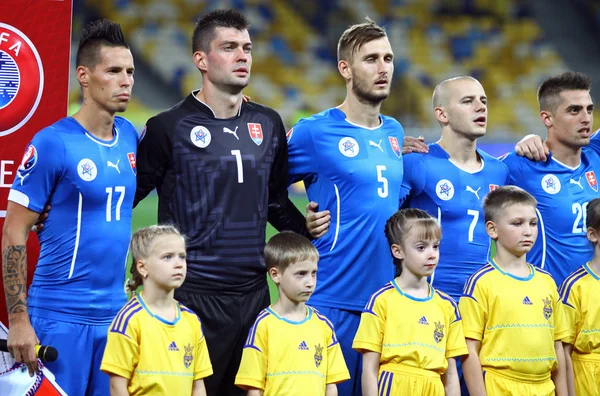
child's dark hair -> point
(141, 248)
(288, 248)
(593, 214)
(500, 198)
(95, 35)
(405, 221)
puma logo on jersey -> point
(234, 132)
(578, 182)
(22, 177)
(476, 192)
(116, 166)
(378, 145)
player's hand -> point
(21, 344)
(39, 224)
(246, 98)
(414, 145)
(317, 222)
(532, 147)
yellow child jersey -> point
(580, 295)
(158, 357)
(517, 320)
(419, 333)
(285, 358)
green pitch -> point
(145, 215)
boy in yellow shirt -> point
(512, 315)
(292, 349)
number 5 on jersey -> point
(383, 190)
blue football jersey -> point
(355, 173)
(563, 194)
(432, 182)
(90, 184)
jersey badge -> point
(551, 184)
(188, 357)
(200, 136)
(132, 163)
(255, 131)
(444, 190)
(349, 147)
(438, 333)
(21, 79)
(288, 136)
(592, 181)
(87, 170)
(494, 187)
(547, 308)
(318, 355)
(27, 163)
(395, 146)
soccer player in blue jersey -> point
(451, 181)
(84, 167)
(350, 159)
(565, 183)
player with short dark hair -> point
(567, 181)
(219, 165)
(84, 167)
(350, 159)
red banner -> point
(35, 44)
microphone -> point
(43, 352)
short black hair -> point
(549, 91)
(204, 30)
(94, 35)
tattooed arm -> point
(21, 336)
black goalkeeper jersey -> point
(218, 180)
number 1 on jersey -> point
(238, 159)
(383, 190)
(109, 191)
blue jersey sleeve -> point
(302, 153)
(41, 167)
(413, 181)
(514, 164)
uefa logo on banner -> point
(21, 79)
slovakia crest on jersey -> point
(592, 181)
(494, 187)
(21, 79)
(395, 146)
(131, 158)
(256, 133)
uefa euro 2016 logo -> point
(21, 79)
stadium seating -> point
(294, 69)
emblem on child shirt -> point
(318, 355)
(438, 333)
(188, 357)
(547, 308)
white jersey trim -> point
(543, 263)
(337, 225)
(103, 142)
(364, 127)
(567, 166)
(466, 170)
(18, 197)
(77, 235)
(439, 219)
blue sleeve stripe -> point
(569, 282)
(454, 304)
(324, 319)
(119, 318)
(470, 285)
(122, 329)
(371, 303)
(253, 329)
(542, 271)
(565, 285)
(185, 309)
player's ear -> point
(344, 69)
(546, 117)
(82, 74)
(397, 252)
(141, 267)
(491, 229)
(593, 235)
(200, 60)
(440, 115)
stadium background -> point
(509, 45)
